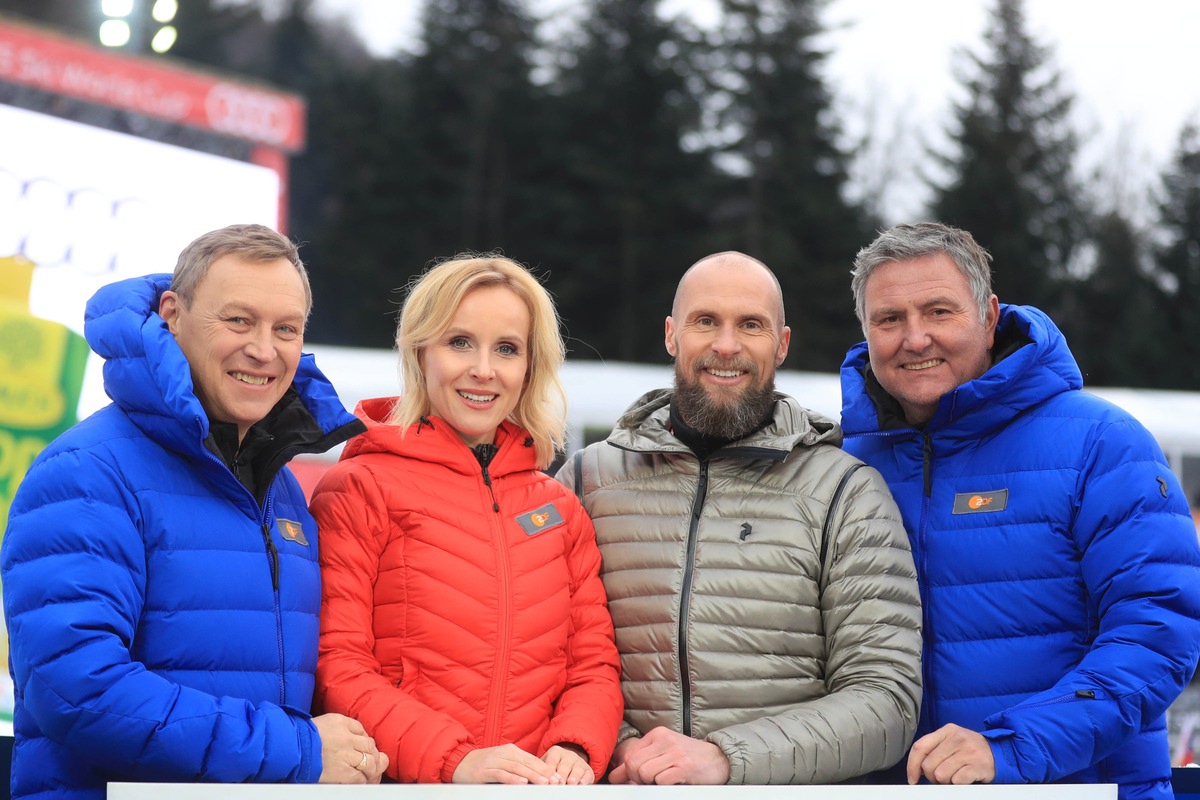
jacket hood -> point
(148, 377)
(1038, 365)
(645, 427)
(434, 440)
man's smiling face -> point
(242, 336)
(727, 335)
(924, 331)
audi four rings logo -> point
(246, 113)
(53, 224)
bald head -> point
(735, 268)
(727, 337)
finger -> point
(671, 776)
(558, 759)
(581, 774)
(375, 767)
(958, 768)
(967, 774)
(520, 763)
(636, 760)
(619, 775)
(648, 773)
(920, 751)
(566, 766)
(364, 744)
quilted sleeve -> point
(74, 574)
(588, 712)
(423, 745)
(870, 608)
(1140, 564)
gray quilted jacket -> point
(764, 600)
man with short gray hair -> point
(161, 584)
(1058, 562)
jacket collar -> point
(1032, 364)
(434, 440)
(148, 377)
(645, 427)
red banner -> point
(155, 88)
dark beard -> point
(731, 420)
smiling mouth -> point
(919, 365)
(724, 373)
(477, 398)
(254, 380)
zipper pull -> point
(487, 481)
(272, 557)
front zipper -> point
(923, 580)
(500, 666)
(272, 563)
(685, 596)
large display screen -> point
(89, 206)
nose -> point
(481, 367)
(727, 344)
(261, 346)
(916, 337)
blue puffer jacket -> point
(1057, 558)
(162, 625)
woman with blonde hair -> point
(463, 620)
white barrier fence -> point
(175, 791)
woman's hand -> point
(570, 761)
(506, 763)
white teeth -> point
(478, 398)
(725, 373)
(933, 362)
(254, 379)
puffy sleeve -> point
(1140, 565)
(74, 573)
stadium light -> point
(164, 11)
(114, 33)
(116, 8)
(163, 39)
(138, 23)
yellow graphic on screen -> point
(41, 375)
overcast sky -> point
(1134, 66)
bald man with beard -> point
(760, 579)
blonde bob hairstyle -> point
(428, 311)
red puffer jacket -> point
(461, 607)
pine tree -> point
(1011, 173)
(1179, 259)
(788, 208)
(478, 114)
(1112, 319)
(628, 212)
